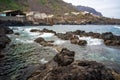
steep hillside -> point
(49, 6)
(88, 9)
(13, 4)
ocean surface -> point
(25, 52)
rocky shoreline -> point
(4, 39)
(63, 66)
(109, 38)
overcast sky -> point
(109, 8)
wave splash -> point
(92, 41)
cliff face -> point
(88, 9)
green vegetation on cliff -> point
(13, 4)
(49, 6)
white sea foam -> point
(24, 41)
(43, 61)
(92, 41)
(118, 27)
(58, 42)
(46, 35)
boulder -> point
(39, 40)
(82, 42)
(63, 67)
(5, 30)
(42, 42)
(5, 39)
(65, 57)
(66, 36)
(48, 31)
(79, 42)
(17, 33)
(107, 36)
(79, 32)
(44, 30)
(34, 30)
(112, 42)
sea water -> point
(27, 52)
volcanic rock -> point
(63, 67)
(42, 42)
(5, 30)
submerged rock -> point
(63, 67)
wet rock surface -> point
(44, 30)
(4, 40)
(43, 42)
(109, 38)
(5, 30)
(63, 67)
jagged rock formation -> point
(63, 67)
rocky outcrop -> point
(76, 40)
(44, 30)
(4, 40)
(17, 33)
(109, 38)
(43, 42)
(5, 30)
(63, 67)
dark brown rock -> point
(68, 69)
(34, 30)
(42, 42)
(65, 57)
(82, 42)
(66, 36)
(107, 36)
(4, 40)
(5, 30)
(17, 33)
(39, 40)
(112, 42)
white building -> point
(75, 13)
(38, 15)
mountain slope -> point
(88, 9)
(13, 4)
(49, 6)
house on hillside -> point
(38, 15)
(75, 13)
(17, 13)
(13, 15)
